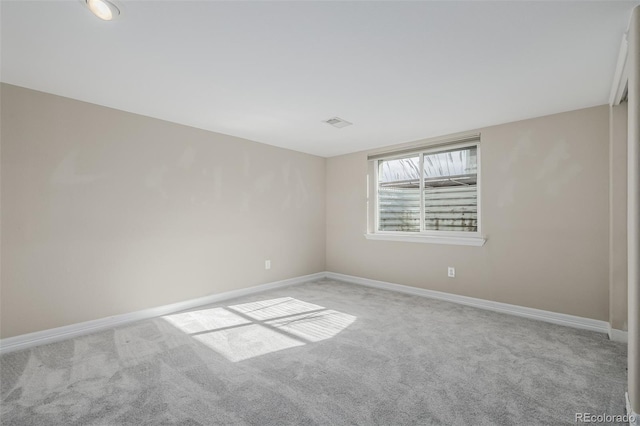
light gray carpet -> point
(324, 353)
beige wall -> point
(618, 217)
(544, 210)
(106, 212)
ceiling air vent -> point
(337, 122)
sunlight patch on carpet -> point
(248, 330)
(275, 308)
(205, 320)
(238, 344)
(315, 326)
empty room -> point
(319, 212)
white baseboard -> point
(616, 335)
(634, 418)
(29, 340)
(521, 311)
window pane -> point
(458, 162)
(450, 190)
(399, 195)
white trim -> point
(479, 190)
(429, 239)
(424, 144)
(616, 335)
(621, 75)
(29, 340)
(421, 193)
(521, 311)
(376, 199)
(634, 418)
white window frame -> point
(423, 236)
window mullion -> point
(376, 218)
(421, 174)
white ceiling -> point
(272, 71)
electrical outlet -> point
(451, 272)
(267, 264)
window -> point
(428, 192)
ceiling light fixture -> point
(103, 9)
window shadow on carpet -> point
(248, 330)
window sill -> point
(429, 239)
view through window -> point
(434, 190)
